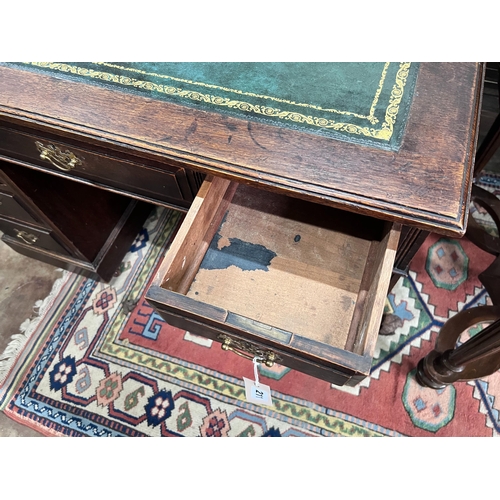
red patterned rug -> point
(101, 362)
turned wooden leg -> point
(478, 357)
(490, 277)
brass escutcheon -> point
(28, 238)
(248, 350)
(64, 161)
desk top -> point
(419, 174)
(365, 103)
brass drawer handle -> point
(64, 161)
(248, 350)
(28, 238)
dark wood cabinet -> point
(71, 225)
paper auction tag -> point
(255, 392)
(260, 394)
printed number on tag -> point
(259, 394)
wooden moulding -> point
(334, 297)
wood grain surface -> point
(426, 183)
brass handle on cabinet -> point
(64, 161)
(248, 350)
(28, 238)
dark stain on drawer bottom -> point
(247, 256)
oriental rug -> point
(101, 362)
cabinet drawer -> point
(9, 207)
(34, 237)
(132, 175)
(302, 284)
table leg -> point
(477, 357)
(480, 355)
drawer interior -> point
(311, 270)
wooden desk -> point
(131, 146)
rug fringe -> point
(19, 340)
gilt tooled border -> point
(384, 132)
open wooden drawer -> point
(292, 282)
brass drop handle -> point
(240, 347)
(28, 238)
(64, 161)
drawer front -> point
(233, 332)
(306, 282)
(168, 185)
(34, 237)
(9, 207)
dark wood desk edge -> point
(471, 153)
(452, 224)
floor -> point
(24, 281)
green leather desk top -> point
(414, 167)
(366, 103)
